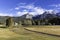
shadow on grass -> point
(3, 27)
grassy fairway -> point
(22, 34)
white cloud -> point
(55, 5)
(17, 8)
(30, 6)
(18, 13)
(39, 10)
(25, 6)
(49, 10)
(21, 13)
(25, 10)
(22, 3)
(35, 10)
(33, 13)
(5, 14)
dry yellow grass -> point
(47, 29)
(6, 33)
(22, 34)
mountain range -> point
(45, 15)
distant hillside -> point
(3, 19)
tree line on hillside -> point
(51, 21)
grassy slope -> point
(21, 34)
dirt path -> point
(42, 32)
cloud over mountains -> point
(24, 8)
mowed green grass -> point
(22, 34)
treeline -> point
(51, 21)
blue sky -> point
(21, 7)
